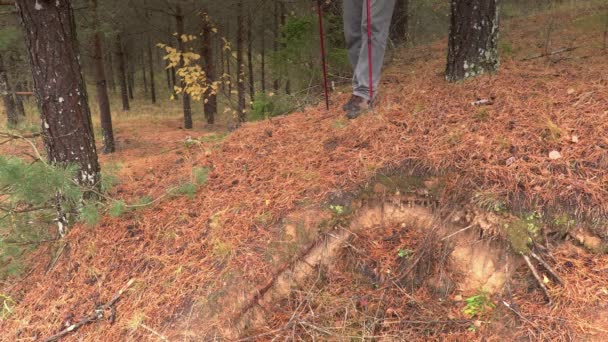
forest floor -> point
(213, 245)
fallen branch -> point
(547, 267)
(96, 315)
(556, 52)
(483, 102)
(157, 334)
(538, 278)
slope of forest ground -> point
(199, 261)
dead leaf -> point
(554, 155)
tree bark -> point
(401, 22)
(250, 58)
(283, 22)
(144, 73)
(173, 83)
(151, 71)
(19, 99)
(122, 77)
(228, 59)
(473, 39)
(67, 131)
(110, 73)
(210, 98)
(105, 114)
(240, 72)
(168, 75)
(275, 43)
(6, 92)
(222, 64)
(130, 76)
(263, 61)
(179, 20)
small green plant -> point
(552, 131)
(89, 214)
(190, 142)
(187, 189)
(522, 232)
(213, 137)
(339, 123)
(490, 202)
(109, 177)
(136, 320)
(268, 105)
(144, 201)
(532, 221)
(200, 174)
(117, 209)
(564, 222)
(28, 197)
(482, 115)
(337, 209)
(478, 305)
(405, 253)
(222, 249)
(6, 309)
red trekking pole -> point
(322, 41)
(370, 64)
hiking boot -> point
(358, 106)
(347, 106)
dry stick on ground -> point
(538, 278)
(556, 52)
(547, 267)
(96, 315)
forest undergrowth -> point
(194, 259)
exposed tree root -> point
(322, 254)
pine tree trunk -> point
(473, 39)
(228, 60)
(283, 22)
(173, 83)
(129, 70)
(110, 73)
(102, 90)
(19, 99)
(6, 92)
(179, 20)
(151, 70)
(400, 22)
(210, 98)
(250, 58)
(263, 62)
(275, 43)
(122, 76)
(144, 73)
(168, 75)
(67, 131)
(222, 64)
(240, 72)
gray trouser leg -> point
(355, 30)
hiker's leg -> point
(352, 32)
(381, 14)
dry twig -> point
(96, 315)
